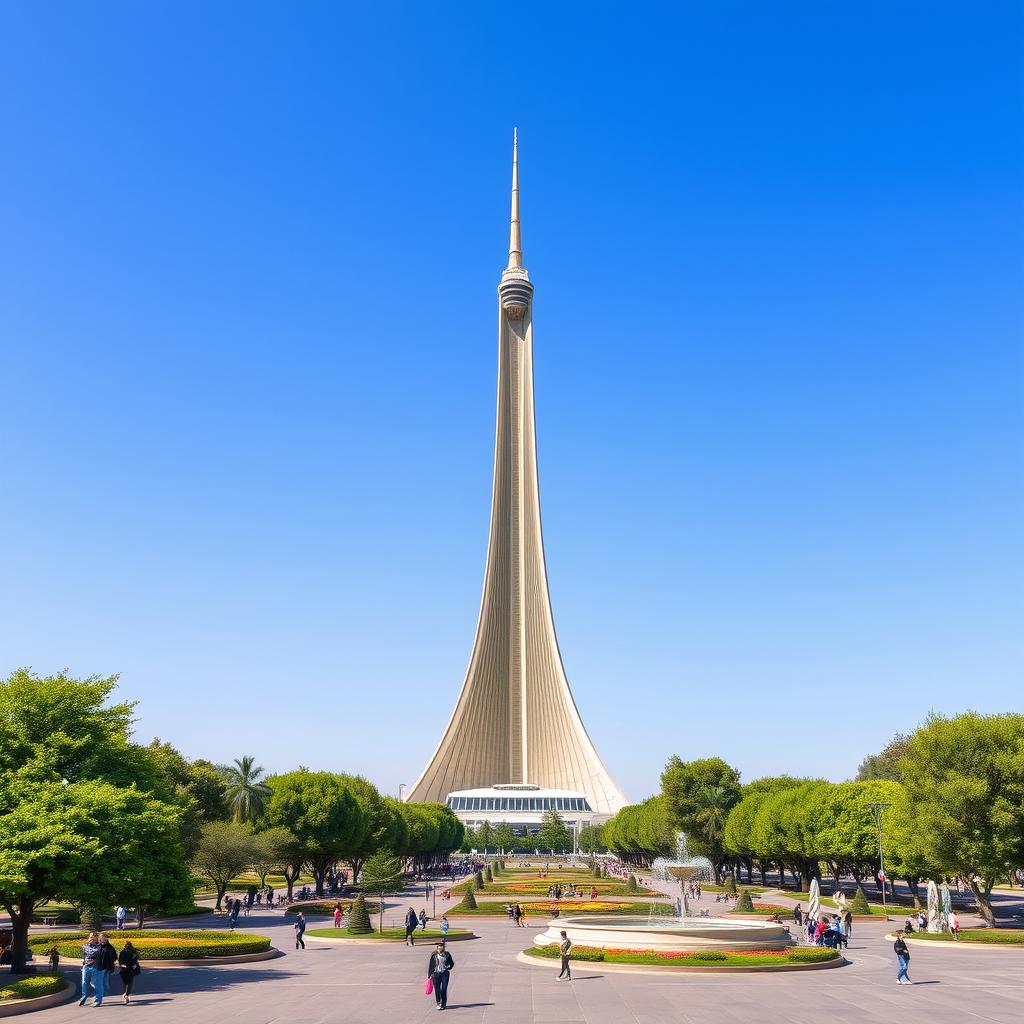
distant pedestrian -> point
(128, 959)
(444, 927)
(954, 925)
(92, 971)
(337, 915)
(119, 915)
(798, 916)
(565, 948)
(233, 910)
(423, 919)
(848, 924)
(439, 968)
(902, 959)
(517, 913)
(300, 930)
(411, 923)
(270, 897)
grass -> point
(985, 936)
(241, 883)
(827, 901)
(389, 933)
(543, 908)
(32, 988)
(504, 886)
(696, 958)
(767, 909)
(326, 907)
(754, 890)
(160, 944)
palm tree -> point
(715, 804)
(245, 794)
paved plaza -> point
(383, 984)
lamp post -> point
(878, 807)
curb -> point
(588, 965)
(16, 1007)
(1016, 947)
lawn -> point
(429, 934)
(985, 936)
(567, 908)
(241, 883)
(32, 987)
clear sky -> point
(248, 261)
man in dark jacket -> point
(438, 971)
(411, 924)
(106, 964)
(300, 930)
(903, 959)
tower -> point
(515, 720)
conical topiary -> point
(488, 874)
(358, 917)
(631, 885)
(744, 905)
(859, 903)
(730, 883)
(478, 878)
(469, 900)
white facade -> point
(522, 807)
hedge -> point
(161, 944)
(431, 934)
(326, 907)
(696, 958)
(33, 987)
(543, 908)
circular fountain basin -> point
(676, 934)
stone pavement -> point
(363, 984)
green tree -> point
(859, 904)
(246, 795)
(590, 840)
(198, 788)
(322, 813)
(226, 848)
(385, 826)
(469, 900)
(886, 763)
(700, 795)
(963, 797)
(504, 837)
(639, 833)
(272, 850)
(631, 886)
(485, 836)
(744, 904)
(554, 835)
(85, 815)
(359, 918)
(382, 874)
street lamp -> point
(878, 807)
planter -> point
(613, 968)
(15, 1007)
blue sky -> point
(248, 260)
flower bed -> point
(767, 909)
(160, 944)
(986, 936)
(694, 958)
(33, 987)
(567, 907)
(431, 934)
(540, 887)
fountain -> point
(681, 933)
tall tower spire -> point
(515, 720)
(515, 241)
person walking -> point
(106, 963)
(517, 913)
(848, 924)
(128, 959)
(236, 906)
(300, 930)
(903, 959)
(119, 915)
(423, 919)
(270, 897)
(92, 973)
(337, 915)
(954, 925)
(444, 927)
(411, 924)
(565, 948)
(439, 968)
(798, 916)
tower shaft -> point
(515, 719)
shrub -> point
(744, 904)
(478, 880)
(708, 956)
(358, 918)
(469, 900)
(488, 876)
(32, 987)
(859, 904)
(730, 884)
(811, 956)
(631, 885)
(91, 919)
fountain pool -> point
(676, 934)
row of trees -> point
(90, 818)
(951, 797)
(554, 835)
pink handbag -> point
(428, 989)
